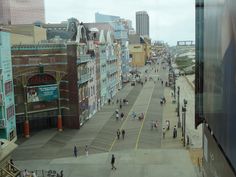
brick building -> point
(46, 86)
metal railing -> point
(112, 70)
(84, 78)
(83, 59)
(9, 170)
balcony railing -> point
(112, 58)
(83, 59)
(84, 78)
(112, 83)
(111, 70)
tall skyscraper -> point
(142, 23)
(21, 12)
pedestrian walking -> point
(167, 124)
(123, 134)
(113, 159)
(134, 115)
(25, 173)
(156, 124)
(122, 116)
(117, 101)
(164, 100)
(152, 124)
(163, 133)
(117, 116)
(34, 174)
(118, 134)
(109, 101)
(86, 150)
(61, 173)
(75, 151)
(174, 132)
(120, 106)
(124, 100)
(161, 102)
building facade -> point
(142, 23)
(27, 34)
(21, 12)
(112, 70)
(219, 89)
(140, 50)
(103, 68)
(105, 18)
(45, 86)
(7, 103)
(92, 84)
(121, 36)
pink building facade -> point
(21, 12)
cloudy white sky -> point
(170, 20)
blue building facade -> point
(7, 103)
(103, 69)
(121, 35)
(105, 18)
(112, 67)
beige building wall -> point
(138, 55)
(27, 34)
(21, 39)
(40, 34)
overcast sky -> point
(170, 20)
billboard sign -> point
(42, 93)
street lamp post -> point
(174, 84)
(26, 121)
(59, 117)
(184, 120)
(179, 123)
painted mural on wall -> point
(42, 93)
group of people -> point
(122, 102)
(122, 133)
(163, 100)
(154, 124)
(119, 115)
(140, 116)
(76, 150)
(26, 173)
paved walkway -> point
(187, 92)
(143, 152)
(134, 163)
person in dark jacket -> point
(113, 159)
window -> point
(10, 111)
(8, 87)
